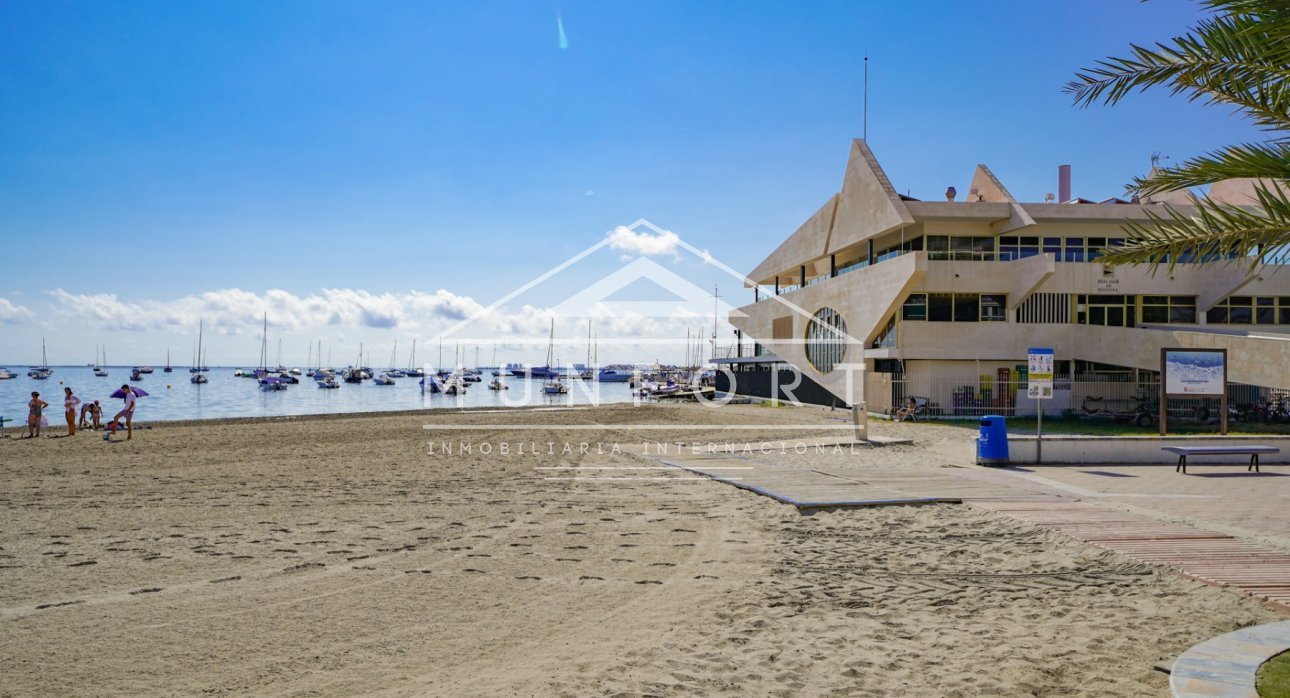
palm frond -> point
(1234, 58)
(1210, 230)
(1257, 160)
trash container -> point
(992, 443)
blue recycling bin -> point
(992, 442)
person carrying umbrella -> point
(130, 395)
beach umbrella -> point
(138, 392)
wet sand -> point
(339, 555)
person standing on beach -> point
(127, 412)
(35, 408)
(70, 402)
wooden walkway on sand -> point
(1214, 558)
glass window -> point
(994, 308)
(1237, 315)
(915, 307)
(1179, 313)
(1155, 313)
(940, 307)
(826, 339)
(1217, 315)
(967, 307)
(1265, 312)
(1074, 250)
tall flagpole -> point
(865, 131)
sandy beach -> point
(352, 555)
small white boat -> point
(328, 383)
(383, 379)
(198, 379)
(294, 371)
(145, 369)
(6, 374)
(497, 384)
(43, 371)
(136, 374)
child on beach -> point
(70, 402)
(35, 410)
(91, 411)
(127, 412)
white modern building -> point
(880, 297)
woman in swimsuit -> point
(70, 402)
(35, 407)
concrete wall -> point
(1068, 449)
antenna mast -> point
(865, 131)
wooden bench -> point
(1251, 451)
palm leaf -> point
(1210, 230)
(1259, 161)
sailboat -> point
(43, 371)
(355, 374)
(497, 383)
(414, 371)
(267, 382)
(167, 369)
(197, 377)
(587, 373)
(393, 372)
(554, 384)
(98, 367)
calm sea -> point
(171, 396)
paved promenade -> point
(1217, 524)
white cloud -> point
(10, 313)
(628, 240)
(229, 311)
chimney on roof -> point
(1063, 183)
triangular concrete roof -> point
(1241, 191)
(868, 205)
(807, 242)
(987, 187)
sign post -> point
(1194, 373)
(1039, 387)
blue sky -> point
(398, 147)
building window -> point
(826, 339)
(1011, 248)
(915, 307)
(967, 307)
(960, 247)
(1106, 310)
(1169, 309)
(1250, 310)
(994, 308)
(940, 307)
(956, 307)
(887, 338)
